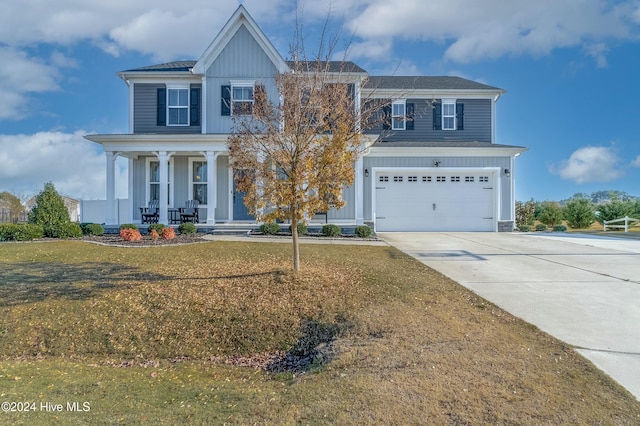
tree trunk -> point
(294, 235)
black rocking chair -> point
(150, 214)
(190, 212)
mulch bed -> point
(146, 241)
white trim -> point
(203, 105)
(495, 173)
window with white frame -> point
(398, 114)
(153, 179)
(448, 115)
(178, 106)
(242, 99)
(198, 181)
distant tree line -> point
(580, 211)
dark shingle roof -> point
(185, 66)
(444, 144)
(333, 66)
(426, 83)
(174, 66)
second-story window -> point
(448, 115)
(178, 107)
(398, 114)
(241, 100)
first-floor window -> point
(199, 181)
(154, 182)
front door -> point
(240, 211)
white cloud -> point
(471, 29)
(75, 166)
(590, 164)
(636, 162)
(493, 28)
(20, 76)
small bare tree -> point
(293, 155)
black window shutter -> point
(225, 100)
(194, 107)
(162, 107)
(410, 114)
(460, 116)
(386, 112)
(437, 116)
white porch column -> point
(359, 187)
(163, 158)
(110, 213)
(212, 186)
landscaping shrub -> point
(302, 228)
(187, 228)
(157, 226)
(49, 210)
(154, 234)
(92, 229)
(550, 213)
(129, 234)
(541, 227)
(524, 228)
(559, 228)
(525, 213)
(363, 231)
(20, 232)
(269, 228)
(128, 226)
(63, 230)
(168, 233)
(331, 230)
(579, 213)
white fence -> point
(626, 221)
(93, 211)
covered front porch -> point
(174, 169)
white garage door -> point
(435, 201)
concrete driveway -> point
(581, 289)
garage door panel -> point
(454, 201)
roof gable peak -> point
(240, 17)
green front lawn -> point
(225, 332)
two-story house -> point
(433, 165)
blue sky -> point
(570, 69)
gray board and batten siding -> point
(241, 59)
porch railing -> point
(626, 220)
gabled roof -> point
(175, 66)
(239, 18)
(426, 83)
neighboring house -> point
(434, 165)
(72, 205)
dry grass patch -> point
(406, 345)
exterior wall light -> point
(366, 172)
